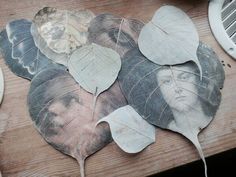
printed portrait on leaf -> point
(115, 32)
(173, 97)
(62, 112)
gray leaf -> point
(94, 67)
(131, 133)
(169, 38)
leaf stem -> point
(121, 23)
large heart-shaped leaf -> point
(129, 130)
(94, 67)
(1, 85)
(169, 38)
(62, 113)
(115, 32)
(19, 51)
(58, 33)
(174, 97)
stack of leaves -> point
(175, 81)
(168, 77)
(61, 103)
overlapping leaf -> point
(19, 51)
(129, 130)
(1, 85)
(170, 38)
(174, 97)
(57, 33)
(94, 67)
(115, 32)
(62, 114)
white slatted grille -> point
(222, 18)
(228, 15)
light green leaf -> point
(170, 38)
(129, 130)
(94, 67)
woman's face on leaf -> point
(178, 87)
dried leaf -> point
(170, 38)
(61, 112)
(94, 67)
(115, 32)
(1, 86)
(19, 51)
(129, 130)
(57, 33)
(174, 97)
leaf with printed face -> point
(115, 32)
(174, 97)
(1, 86)
(19, 51)
(62, 113)
(94, 67)
(57, 33)
(170, 38)
(129, 130)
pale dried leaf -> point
(130, 132)
(59, 32)
(1, 85)
(174, 97)
(61, 112)
(94, 67)
(61, 58)
(169, 38)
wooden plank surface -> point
(23, 152)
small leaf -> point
(170, 38)
(58, 33)
(94, 67)
(19, 51)
(174, 97)
(129, 130)
(61, 112)
(115, 32)
(1, 86)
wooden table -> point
(23, 152)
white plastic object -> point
(222, 18)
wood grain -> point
(23, 152)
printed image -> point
(115, 32)
(63, 113)
(173, 97)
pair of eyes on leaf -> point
(183, 77)
(123, 38)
